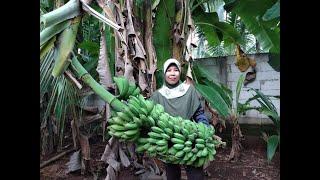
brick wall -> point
(267, 81)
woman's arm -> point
(199, 116)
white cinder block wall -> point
(267, 81)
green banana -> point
(122, 84)
(154, 135)
(123, 116)
(165, 136)
(136, 91)
(179, 136)
(131, 126)
(137, 121)
(131, 132)
(179, 154)
(150, 105)
(162, 142)
(178, 146)
(157, 129)
(168, 131)
(177, 141)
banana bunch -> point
(180, 141)
(170, 139)
(128, 124)
(125, 87)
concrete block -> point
(271, 92)
(233, 76)
(249, 120)
(230, 84)
(251, 113)
(270, 84)
(266, 121)
(234, 68)
(231, 59)
(268, 75)
(245, 95)
(260, 115)
(263, 66)
(255, 85)
(229, 68)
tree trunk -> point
(236, 136)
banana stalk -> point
(67, 11)
(66, 43)
(96, 87)
(51, 31)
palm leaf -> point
(45, 72)
(47, 47)
(214, 98)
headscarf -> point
(179, 100)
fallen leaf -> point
(124, 158)
(74, 163)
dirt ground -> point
(252, 165)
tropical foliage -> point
(267, 108)
(225, 102)
(133, 39)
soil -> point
(252, 164)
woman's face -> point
(172, 75)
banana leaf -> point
(214, 30)
(251, 13)
(164, 19)
(214, 98)
(110, 42)
(273, 142)
(238, 89)
(273, 12)
(204, 77)
(66, 43)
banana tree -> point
(262, 19)
(222, 99)
(140, 36)
(256, 21)
(267, 108)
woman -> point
(179, 99)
